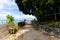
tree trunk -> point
(55, 15)
(46, 16)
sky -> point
(11, 8)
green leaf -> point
(51, 1)
(24, 1)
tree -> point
(37, 7)
(10, 19)
(34, 21)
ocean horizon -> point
(3, 21)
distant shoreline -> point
(3, 21)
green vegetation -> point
(41, 9)
(52, 24)
(37, 7)
(21, 24)
(13, 30)
(34, 21)
(10, 19)
(16, 26)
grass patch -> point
(52, 24)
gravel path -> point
(36, 35)
(29, 33)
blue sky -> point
(10, 7)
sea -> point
(4, 21)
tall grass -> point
(52, 24)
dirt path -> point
(29, 33)
(35, 35)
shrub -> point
(34, 21)
(57, 24)
(10, 19)
(16, 26)
(21, 24)
(13, 30)
(53, 24)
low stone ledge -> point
(49, 30)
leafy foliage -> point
(34, 21)
(52, 24)
(40, 9)
(16, 26)
(10, 19)
(37, 7)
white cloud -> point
(10, 5)
(4, 1)
(20, 17)
(1, 7)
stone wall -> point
(49, 30)
(4, 29)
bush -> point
(10, 19)
(52, 24)
(34, 21)
(16, 26)
(57, 24)
(13, 30)
(21, 24)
